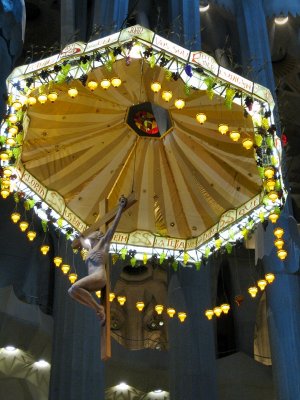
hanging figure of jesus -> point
(97, 245)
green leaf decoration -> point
(187, 89)
(266, 201)
(277, 210)
(60, 222)
(19, 138)
(112, 56)
(85, 66)
(27, 205)
(210, 82)
(265, 123)
(231, 235)
(44, 223)
(186, 258)
(68, 235)
(168, 75)
(152, 61)
(261, 216)
(145, 258)
(258, 139)
(207, 252)
(277, 185)
(261, 172)
(273, 160)
(16, 151)
(269, 141)
(250, 224)
(198, 265)
(162, 258)
(230, 93)
(245, 233)
(133, 261)
(109, 65)
(218, 243)
(123, 253)
(228, 247)
(65, 68)
(62, 75)
(20, 114)
(175, 265)
(2, 139)
(16, 197)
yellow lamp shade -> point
(270, 277)
(270, 184)
(159, 309)
(278, 232)
(5, 183)
(7, 172)
(279, 243)
(111, 296)
(116, 82)
(273, 217)
(155, 87)
(12, 118)
(171, 312)
(209, 314)
(10, 141)
(17, 105)
(223, 129)
(15, 217)
(73, 277)
(262, 283)
(72, 92)
(5, 193)
(4, 156)
(234, 135)
(253, 291)
(140, 305)
(13, 130)
(121, 300)
(247, 143)
(217, 311)
(273, 195)
(179, 103)
(57, 261)
(44, 249)
(65, 268)
(167, 95)
(31, 235)
(42, 98)
(98, 294)
(282, 254)
(23, 225)
(92, 85)
(31, 100)
(269, 172)
(181, 316)
(105, 83)
(225, 308)
(52, 96)
(201, 118)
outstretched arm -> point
(110, 232)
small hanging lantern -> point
(155, 87)
(273, 195)
(42, 98)
(179, 103)
(282, 254)
(217, 311)
(92, 85)
(5, 183)
(111, 296)
(73, 277)
(17, 105)
(57, 261)
(225, 308)
(269, 172)
(5, 192)
(65, 268)
(15, 216)
(7, 172)
(73, 92)
(13, 118)
(140, 305)
(167, 95)
(98, 294)
(201, 118)
(270, 277)
(273, 217)
(105, 83)
(253, 291)
(31, 235)
(52, 96)
(23, 225)
(278, 232)
(116, 82)
(262, 283)
(4, 156)
(279, 243)
(121, 300)
(159, 309)
(13, 130)
(31, 100)
(171, 312)
(223, 129)
(247, 143)
(10, 141)
(209, 314)
(44, 249)
(270, 184)
(182, 316)
(234, 135)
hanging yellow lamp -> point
(159, 308)
(234, 135)
(31, 100)
(111, 296)
(201, 118)
(167, 95)
(23, 225)
(270, 277)
(223, 129)
(273, 195)
(105, 83)
(57, 261)
(209, 314)
(65, 268)
(155, 87)
(269, 172)
(17, 105)
(179, 104)
(282, 254)
(73, 92)
(270, 184)
(10, 141)
(73, 277)
(217, 311)
(13, 130)
(181, 316)
(7, 172)
(13, 118)
(52, 97)
(92, 85)
(253, 291)
(5, 182)
(279, 243)
(15, 217)
(44, 249)
(4, 156)
(247, 143)
(273, 217)
(116, 82)
(42, 98)
(278, 232)
(98, 294)
(121, 300)
(262, 283)
(31, 235)
(225, 308)
(171, 312)
(140, 305)
(5, 192)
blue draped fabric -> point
(14, 6)
(271, 7)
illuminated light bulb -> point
(44, 249)
(121, 300)
(155, 87)
(279, 243)
(159, 309)
(273, 196)
(167, 95)
(223, 129)
(111, 296)
(116, 82)
(179, 103)
(209, 314)
(73, 92)
(5, 193)
(13, 130)
(234, 135)
(273, 217)
(204, 8)
(17, 105)
(7, 172)
(269, 172)
(92, 85)
(171, 312)
(15, 217)
(31, 235)
(270, 277)
(282, 254)
(12, 118)
(98, 294)
(225, 308)
(73, 277)
(270, 184)
(181, 316)
(10, 142)
(140, 305)
(105, 83)
(262, 283)
(201, 118)
(217, 311)
(253, 291)
(52, 96)
(57, 261)
(31, 100)
(65, 268)
(278, 232)
(23, 225)
(42, 98)
(247, 143)
(4, 156)
(281, 20)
